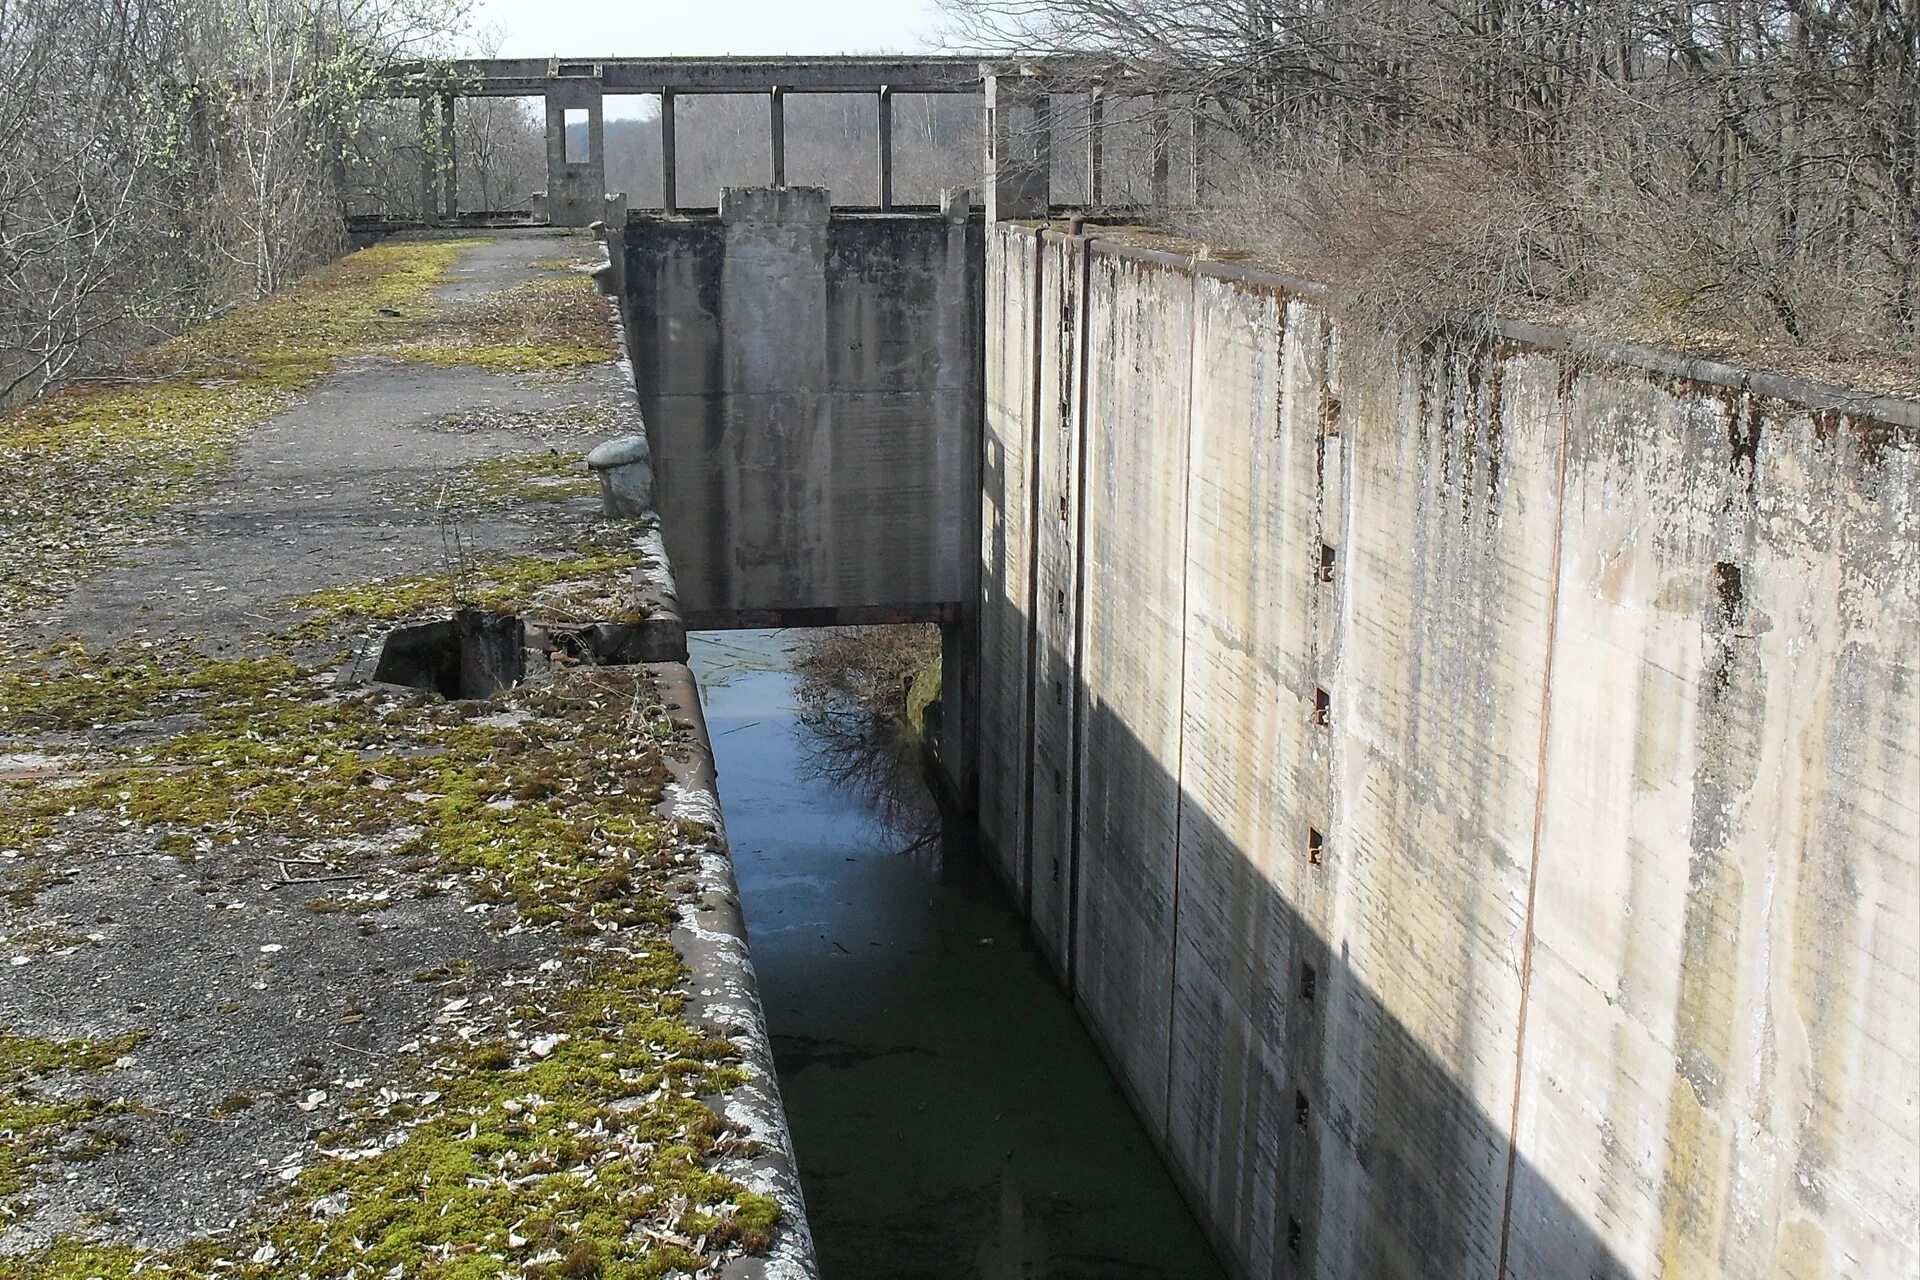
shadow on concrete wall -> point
(1352, 1152)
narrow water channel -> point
(950, 1115)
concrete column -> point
(884, 105)
(1097, 147)
(777, 134)
(576, 188)
(449, 160)
(669, 168)
(1019, 152)
(429, 161)
(1197, 148)
(1160, 128)
(958, 749)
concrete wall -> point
(810, 384)
(1473, 794)
(576, 186)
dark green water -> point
(950, 1115)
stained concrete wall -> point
(810, 383)
(576, 192)
(1473, 793)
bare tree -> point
(166, 157)
(1743, 165)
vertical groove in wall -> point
(1024, 854)
(1180, 699)
(1539, 819)
(1078, 483)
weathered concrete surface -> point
(290, 988)
(810, 388)
(1491, 834)
(576, 182)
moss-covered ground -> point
(544, 1121)
(566, 1138)
(91, 465)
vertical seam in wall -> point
(1180, 702)
(1030, 745)
(1076, 720)
(1539, 821)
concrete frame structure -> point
(1017, 100)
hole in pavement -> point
(473, 654)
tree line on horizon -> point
(1735, 171)
(1742, 175)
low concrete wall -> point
(1473, 793)
(810, 383)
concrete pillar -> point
(669, 167)
(576, 188)
(958, 750)
(429, 161)
(1160, 128)
(777, 135)
(1019, 153)
(884, 106)
(449, 160)
(1197, 149)
(1097, 147)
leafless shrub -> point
(1740, 169)
(164, 158)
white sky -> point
(666, 28)
(691, 28)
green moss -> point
(74, 688)
(575, 1144)
(539, 326)
(34, 1123)
(504, 584)
(514, 479)
(70, 1259)
(592, 1149)
(90, 465)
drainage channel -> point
(950, 1116)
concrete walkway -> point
(293, 965)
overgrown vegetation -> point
(563, 1137)
(34, 1120)
(169, 158)
(90, 464)
(1733, 175)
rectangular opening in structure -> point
(631, 135)
(720, 140)
(833, 141)
(1316, 846)
(575, 124)
(1307, 982)
(1322, 707)
(936, 145)
(500, 153)
(1071, 120)
(1300, 1111)
(386, 145)
(1326, 562)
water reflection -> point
(950, 1115)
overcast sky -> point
(662, 28)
